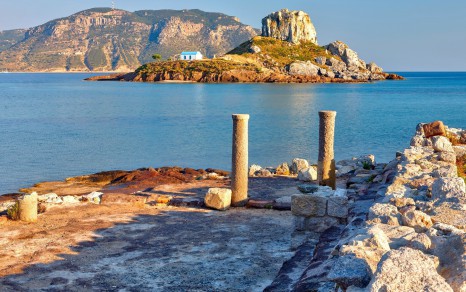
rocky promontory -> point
(287, 51)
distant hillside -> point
(102, 39)
(10, 37)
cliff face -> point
(115, 40)
(291, 26)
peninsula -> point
(287, 51)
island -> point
(286, 52)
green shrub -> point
(13, 212)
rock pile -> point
(412, 236)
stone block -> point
(218, 198)
(338, 207)
(434, 129)
(308, 205)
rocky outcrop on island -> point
(287, 51)
(290, 26)
(104, 39)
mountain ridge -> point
(105, 39)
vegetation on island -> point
(279, 52)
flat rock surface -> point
(149, 246)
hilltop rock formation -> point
(103, 39)
(290, 26)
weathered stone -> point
(308, 205)
(260, 204)
(336, 65)
(349, 270)
(407, 269)
(308, 174)
(442, 144)
(283, 169)
(303, 68)
(417, 141)
(417, 219)
(298, 164)
(283, 203)
(308, 188)
(337, 205)
(291, 26)
(447, 157)
(421, 242)
(253, 169)
(218, 198)
(374, 68)
(384, 213)
(449, 188)
(401, 202)
(447, 171)
(434, 129)
(320, 60)
(264, 173)
(254, 49)
(348, 56)
(70, 200)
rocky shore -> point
(286, 52)
(397, 226)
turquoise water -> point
(55, 125)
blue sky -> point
(399, 35)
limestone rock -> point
(320, 60)
(417, 219)
(303, 68)
(308, 205)
(314, 224)
(308, 174)
(449, 188)
(254, 49)
(218, 198)
(374, 68)
(308, 188)
(283, 169)
(298, 164)
(253, 169)
(349, 270)
(434, 129)
(421, 242)
(70, 200)
(336, 65)
(384, 213)
(442, 144)
(406, 270)
(27, 205)
(291, 26)
(348, 56)
(337, 205)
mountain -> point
(103, 39)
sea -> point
(54, 126)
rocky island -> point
(286, 51)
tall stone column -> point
(239, 170)
(326, 164)
(28, 208)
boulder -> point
(253, 169)
(373, 68)
(308, 174)
(417, 219)
(347, 55)
(303, 68)
(218, 198)
(298, 164)
(442, 144)
(291, 26)
(449, 188)
(320, 60)
(254, 49)
(436, 128)
(407, 269)
(384, 213)
(349, 270)
(421, 242)
(336, 65)
(283, 169)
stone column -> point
(28, 208)
(326, 163)
(239, 169)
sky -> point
(399, 35)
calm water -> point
(55, 125)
